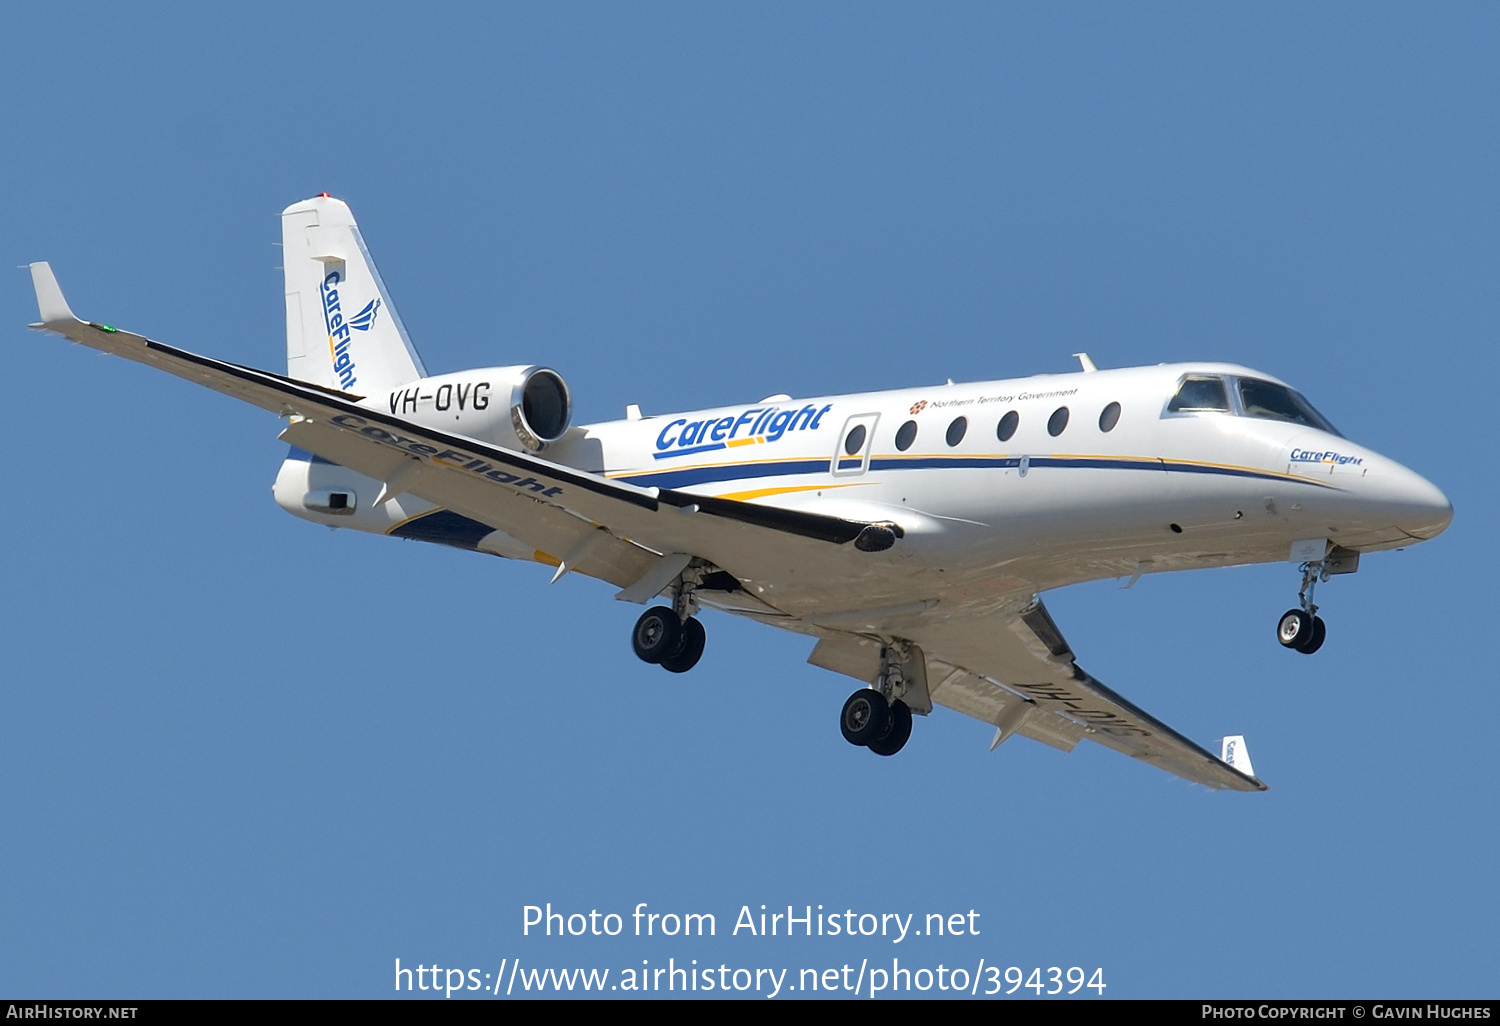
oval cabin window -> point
(1058, 421)
(1006, 429)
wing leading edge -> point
(506, 489)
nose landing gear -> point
(1303, 629)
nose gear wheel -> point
(1295, 628)
(1303, 629)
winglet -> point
(49, 298)
(1235, 755)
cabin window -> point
(1058, 421)
(906, 435)
(956, 430)
(1199, 393)
(1109, 417)
(1006, 429)
(1277, 402)
(855, 440)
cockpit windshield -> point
(1199, 393)
(1266, 400)
(1277, 402)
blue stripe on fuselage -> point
(943, 462)
(746, 471)
(725, 472)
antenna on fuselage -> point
(1086, 363)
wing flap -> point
(974, 695)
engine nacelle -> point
(515, 407)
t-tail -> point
(342, 331)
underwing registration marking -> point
(455, 458)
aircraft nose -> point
(1421, 509)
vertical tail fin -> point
(342, 330)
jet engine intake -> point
(516, 407)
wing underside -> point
(1009, 666)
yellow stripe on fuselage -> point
(761, 493)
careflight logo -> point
(338, 328)
(1324, 456)
(759, 423)
(366, 317)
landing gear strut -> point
(1303, 629)
(671, 637)
(876, 717)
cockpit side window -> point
(1198, 392)
(1277, 402)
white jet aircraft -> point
(909, 532)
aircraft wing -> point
(1011, 667)
(561, 510)
(1004, 663)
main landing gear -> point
(876, 718)
(1303, 629)
(670, 637)
(874, 723)
(660, 637)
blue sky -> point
(245, 756)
